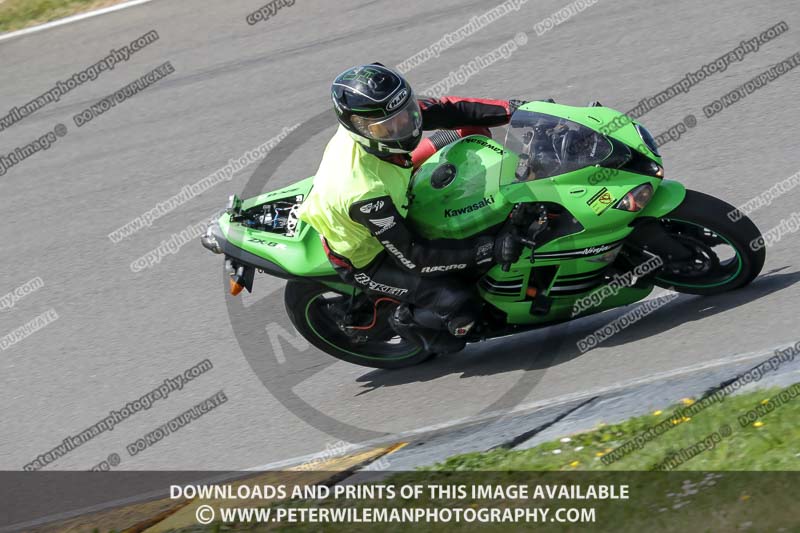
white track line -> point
(73, 18)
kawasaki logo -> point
(398, 254)
(468, 209)
(443, 268)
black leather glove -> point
(507, 246)
(504, 248)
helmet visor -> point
(402, 124)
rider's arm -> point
(412, 253)
(429, 145)
(452, 112)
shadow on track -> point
(514, 353)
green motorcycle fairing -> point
(474, 183)
(456, 192)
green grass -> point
(772, 445)
(717, 497)
(18, 14)
(659, 502)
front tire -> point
(701, 222)
(308, 306)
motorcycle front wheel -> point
(725, 253)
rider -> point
(358, 202)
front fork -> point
(650, 237)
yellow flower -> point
(574, 463)
(744, 497)
(599, 454)
(656, 413)
(758, 424)
(686, 418)
(687, 401)
(765, 402)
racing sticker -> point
(601, 201)
(372, 207)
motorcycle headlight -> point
(647, 139)
(636, 199)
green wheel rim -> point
(708, 285)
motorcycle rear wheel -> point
(308, 305)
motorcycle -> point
(583, 189)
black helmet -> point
(378, 107)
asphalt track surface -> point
(120, 334)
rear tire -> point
(701, 221)
(305, 305)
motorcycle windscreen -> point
(548, 146)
